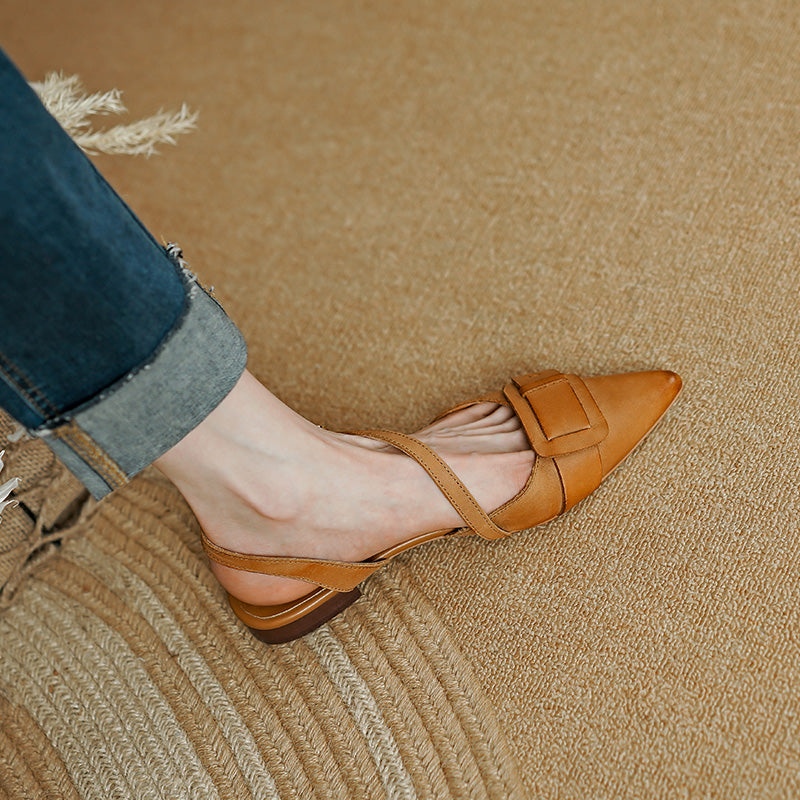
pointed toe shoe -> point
(580, 429)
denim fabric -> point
(109, 348)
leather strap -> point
(580, 473)
(342, 576)
(451, 487)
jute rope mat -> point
(48, 499)
(124, 675)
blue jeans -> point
(110, 350)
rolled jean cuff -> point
(123, 429)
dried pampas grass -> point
(66, 99)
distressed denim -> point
(110, 350)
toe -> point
(632, 404)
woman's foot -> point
(262, 479)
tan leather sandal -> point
(580, 430)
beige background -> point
(402, 204)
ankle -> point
(251, 453)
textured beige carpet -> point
(401, 205)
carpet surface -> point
(401, 205)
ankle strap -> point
(341, 576)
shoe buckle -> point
(558, 412)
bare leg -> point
(262, 479)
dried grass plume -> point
(66, 99)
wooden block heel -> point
(309, 622)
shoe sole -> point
(308, 623)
